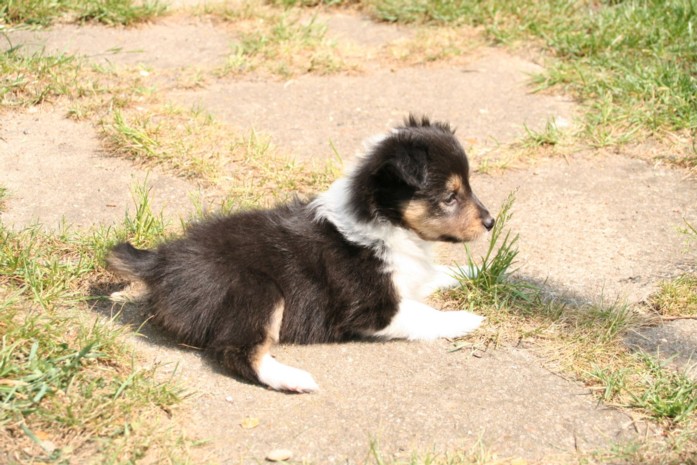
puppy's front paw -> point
(460, 323)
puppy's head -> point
(417, 177)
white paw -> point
(419, 322)
(460, 323)
(283, 377)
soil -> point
(590, 226)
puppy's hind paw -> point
(285, 378)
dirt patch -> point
(54, 169)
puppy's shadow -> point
(137, 316)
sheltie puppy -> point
(353, 262)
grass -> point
(631, 63)
(551, 135)
(31, 80)
(431, 44)
(91, 90)
(70, 389)
(110, 12)
(277, 43)
(677, 298)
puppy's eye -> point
(451, 199)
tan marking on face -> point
(454, 183)
(470, 222)
(465, 225)
(416, 216)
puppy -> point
(353, 262)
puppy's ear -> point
(408, 165)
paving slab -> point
(488, 101)
(174, 42)
(409, 397)
(54, 169)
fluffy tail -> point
(131, 263)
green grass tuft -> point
(664, 393)
(119, 12)
(40, 12)
(550, 136)
(3, 197)
(284, 45)
(492, 285)
(111, 12)
(677, 297)
(31, 80)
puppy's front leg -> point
(417, 321)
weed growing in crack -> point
(551, 135)
(490, 284)
(282, 45)
(145, 227)
(663, 392)
(27, 80)
(677, 297)
(119, 12)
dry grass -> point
(246, 167)
(431, 45)
(275, 42)
(677, 298)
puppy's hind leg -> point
(250, 357)
(283, 377)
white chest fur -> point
(409, 260)
(406, 256)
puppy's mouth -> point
(449, 238)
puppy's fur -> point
(353, 262)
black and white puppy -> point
(353, 262)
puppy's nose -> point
(488, 222)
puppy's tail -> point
(131, 263)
